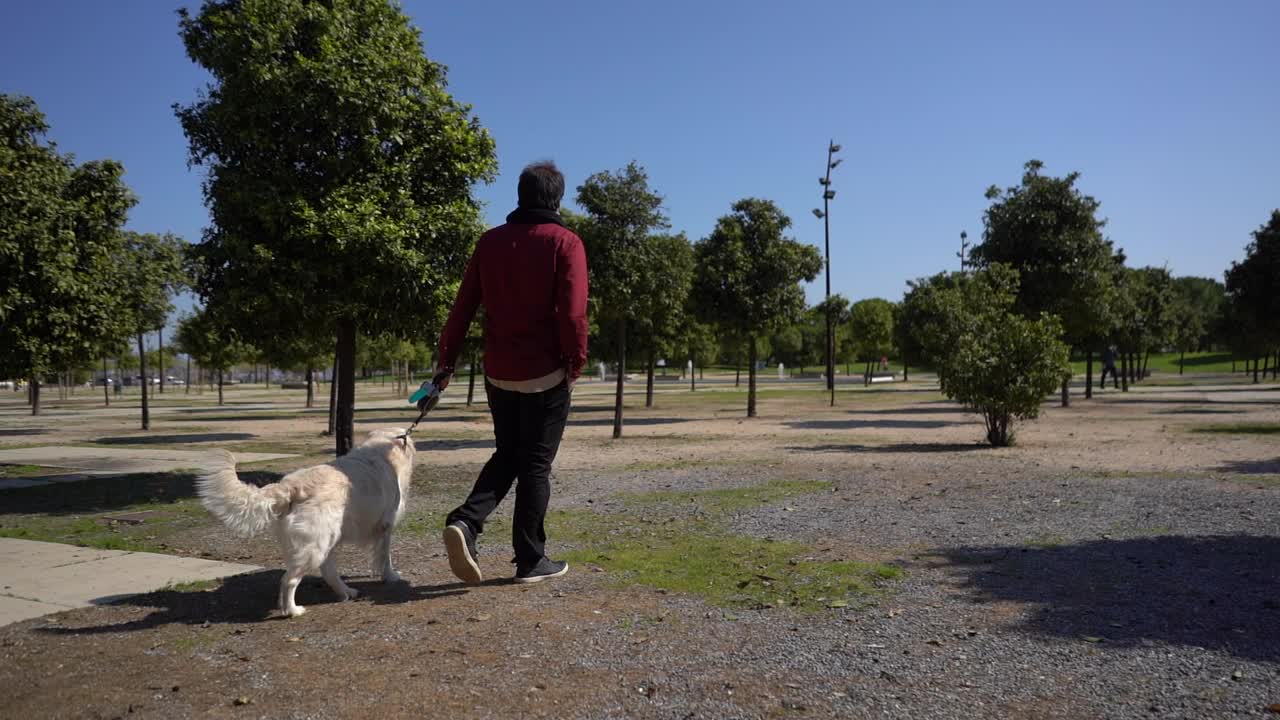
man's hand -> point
(441, 380)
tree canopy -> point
(339, 172)
(1049, 231)
(748, 275)
(621, 213)
(60, 245)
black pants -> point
(1115, 376)
(528, 428)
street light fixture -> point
(825, 215)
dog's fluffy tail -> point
(245, 509)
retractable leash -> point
(427, 390)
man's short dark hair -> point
(541, 186)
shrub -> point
(993, 361)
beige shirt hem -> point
(536, 385)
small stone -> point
(1237, 676)
(242, 700)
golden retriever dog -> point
(357, 498)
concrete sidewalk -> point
(38, 578)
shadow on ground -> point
(856, 424)
(433, 445)
(102, 494)
(252, 598)
(15, 432)
(1251, 467)
(1220, 592)
(894, 448)
(582, 422)
(174, 439)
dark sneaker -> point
(543, 570)
(460, 544)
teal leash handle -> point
(426, 390)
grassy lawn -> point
(675, 541)
(1240, 429)
(1207, 362)
(81, 513)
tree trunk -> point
(693, 387)
(905, 374)
(220, 378)
(1088, 374)
(1255, 370)
(1124, 372)
(344, 427)
(471, 381)
(751, 378)
(266, 377)
(142, 363)
(106, 395)
(1146, 359)
(33, 394)
(622, 370)
(160, 359)
(648, 383)
(1182, 355)
(311, 388)
(333, 386)
(737, 369)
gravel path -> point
(1134, 579)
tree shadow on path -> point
(1219, 592)
(894, 448)
(174, 439)
(101, 494)
(878, 423)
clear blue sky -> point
(1168, 109)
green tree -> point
(871, 326)
(988, 357)
(1203, 299)
(748, 276)
(1049, 231)
(621, 213)
(151, 272)
(339, 173)
(59, 241)
(662, 294)
(212, 342)
(701, 343)
(1253, 288)
(1157, 309)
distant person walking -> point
(531, 277)
(1109, 366)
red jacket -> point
(532, 281)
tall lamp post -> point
(825, 214)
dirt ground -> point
(1120, 561)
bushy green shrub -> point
(997, 363)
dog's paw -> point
(352, 594)
(295, 611)
(391, 577)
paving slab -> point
(109, 461)
(14, 610)
(37, 578)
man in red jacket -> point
(531, 276)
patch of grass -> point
(192, 642)
(700, 557)
(1240, 429)
(26, 471)
(80, 513)
(651, 465)
(193, 586)
(724, 500)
